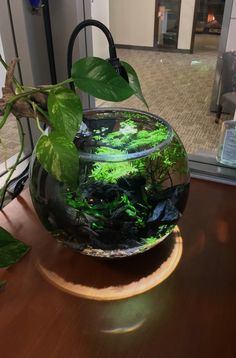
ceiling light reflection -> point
(122, 330)
(195, 62)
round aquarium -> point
(133, 185)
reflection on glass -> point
(167, 24)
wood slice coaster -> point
(100, 279)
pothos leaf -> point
(98, 78)
(65, 112)
(59, 157)
(134, 82)
(11, 250)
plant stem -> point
(37, 117)
(6, 114)
(44, 113)
(36, 108)
(169, 176)
(15, 98)
(33, 89)
(17, 84)
(44, 89)
(49, 87)
(4, 188)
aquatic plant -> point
(130, 138)
(111, 172)
(162, 164)
(162, 230)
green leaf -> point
(11, 250)
(98, 78)
(65, 112)
(59, 157)
(134, 82)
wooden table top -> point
(192, 313)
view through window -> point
(177, 85)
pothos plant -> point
(61, 110)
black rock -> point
(101, 191)
(165, 211)
(129, 230)
(132, 183)
(177, 194)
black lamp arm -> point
(112, 50)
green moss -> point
(111, 172)
(128, 123)
(132, 115)
(100, 211)
(130, 210)
(151, 240)
(149, 138)
(97, 226)
(130, 138)
(162, 230)
(95, 210)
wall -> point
(132, 22)
(231, 41)
(186, 24)
(29, 37)
(100, 12)
(65, 15)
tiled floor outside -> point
(178, 88)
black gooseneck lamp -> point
(113, 60)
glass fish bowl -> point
(132, 187)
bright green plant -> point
(111, 172)
(99, 211)
(133, 139)
(129, 138)
(157, 167)
(133, 212)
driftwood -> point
(21, 108)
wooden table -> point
(192, 313)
